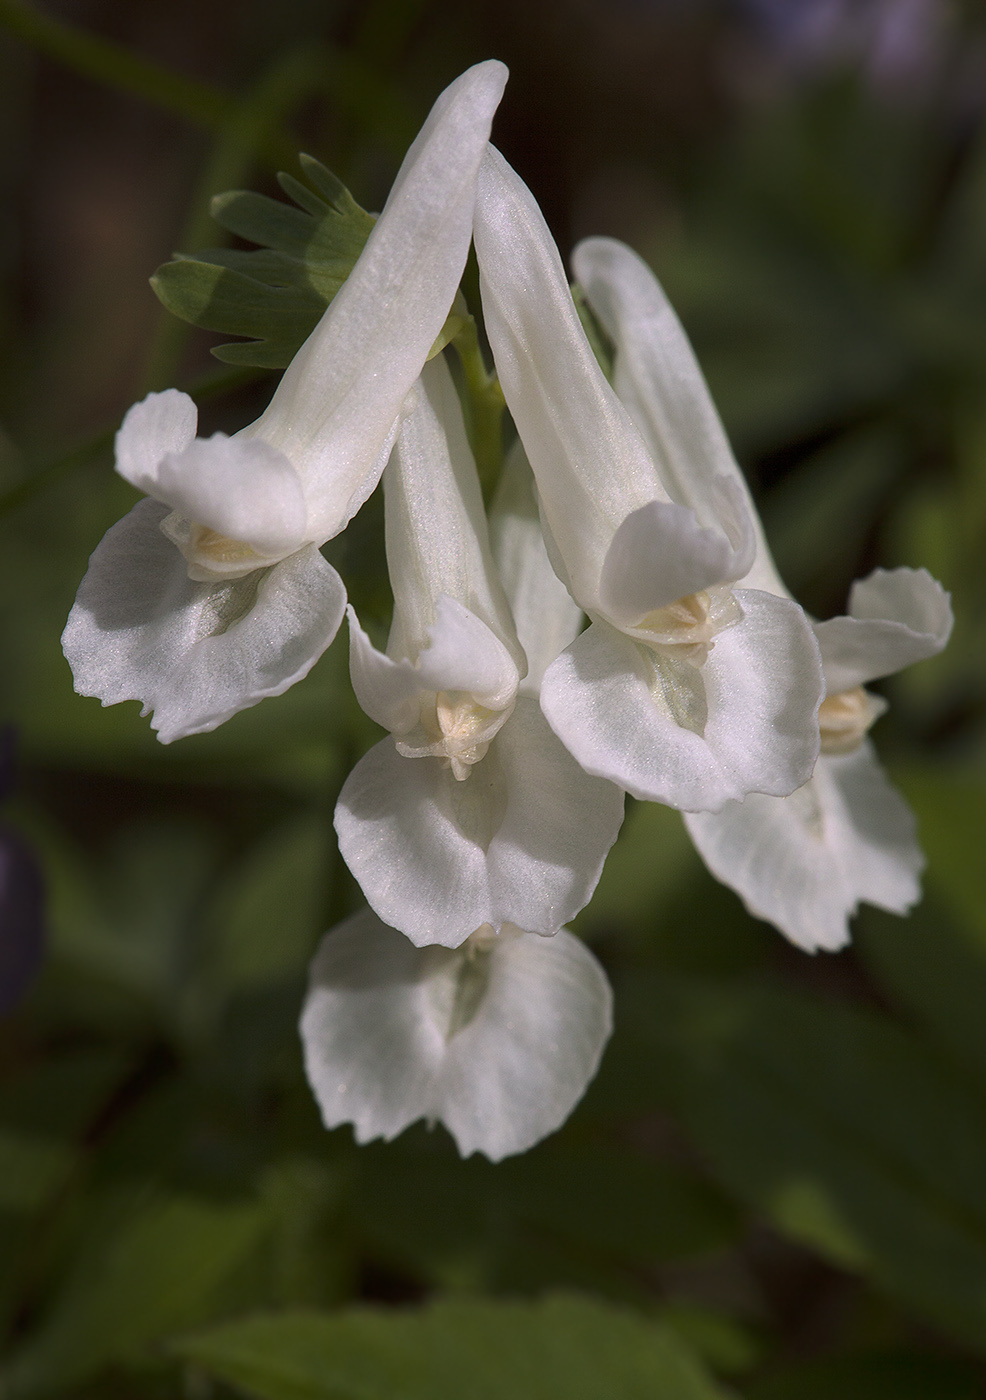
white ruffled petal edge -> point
(194, 653)
(762, 683)
(159, 424)
(897, 617)
(805, 862)
(498, 1040)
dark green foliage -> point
(275, 293)
(568, 1348)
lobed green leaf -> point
(562, 1348)
(276, 293)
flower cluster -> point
(479, 826)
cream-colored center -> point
(460, 729)
(844, 718)
(687, 627)
(211, 556)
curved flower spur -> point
(803, 861)
(472, 813)
(211, 594)
(684, 689)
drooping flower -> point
(497, 1039)
(803, 861)
(472, 812)
(212, 594)
(684, 689)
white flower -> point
(233, 602)
(497, 1039)
(683, 690)
(806, 861)
(473, 812)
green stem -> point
(114, 65)
(206, 387)
(485, 405)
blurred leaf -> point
(613, 1199)
(305, 1264)
(568, 1348)
(158, 1269)
(31, 1167)
(952, 816)
(649, 863)
(933, 972)
(844, 1131)
(606, 1205)
(133, 921)
(889, 1377)
(59, 1096)
(277, 292)
(820, 515)
(268, 914)
(722, 1342)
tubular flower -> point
(684, 689)
(806, 861)
(212, 594)
(472, 812)
(496, 1039)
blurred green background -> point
(777, 1187)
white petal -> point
(388, 691)
(159, 424)
(898, 617)
(499, 1045)
(416, 840)
(240, 487)
(523, 837)
(462, 654)
(591, 465)
(762, 686)
(437, 540)
(660, 382)
(194, 653)
(373, 1044)
(546, 615)
(659, 554)
(558, 825)
(340, 396)
(805, 861)
(515, 1072)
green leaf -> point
(844, 1130)
(276, 293)
(158, 1269)
(562, 1348)
(268, 914)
